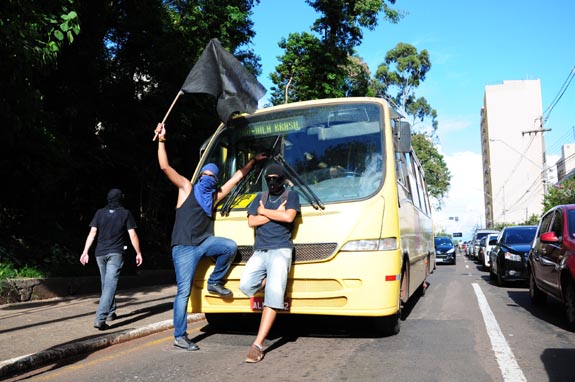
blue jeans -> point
(186, 259)
(110, 266)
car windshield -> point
(519, 235)
(442, 241)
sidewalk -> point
(35, 333)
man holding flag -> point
(193, 233)
(219, 74)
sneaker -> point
(112, 317)
(185, 343)
(101, 325)
(219, 289)
(255, 354)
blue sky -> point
(471, 45)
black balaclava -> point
(275, 185)
(114, 198)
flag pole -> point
(169, 110)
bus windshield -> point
(334, 150)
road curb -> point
(33, 361)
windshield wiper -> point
(238, 188)
(311, 196)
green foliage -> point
(85, 83)
(562, 193)
(319, 67)
(437, 174)
(311, 68)
(420, 109)
(402, 71)
(9, 271)
(532, 220)
(357, 78)
(303, 54)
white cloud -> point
(465, 196)
(451, 124)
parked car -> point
(508, 257)
(468, 249)
(444, 250)
(485, 250)
(552, 260)
(477, 236)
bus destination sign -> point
(274, 127)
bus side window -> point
(412, 178)
(402, 177)
(421, 186)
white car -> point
(485, 250)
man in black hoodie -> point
(110, 225)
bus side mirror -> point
(404, 137)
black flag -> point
(220, 74)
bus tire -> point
(388, 325)
(215, 320)
(231, 321)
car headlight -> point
(451, 251)
(512, 257)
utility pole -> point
(542, 131)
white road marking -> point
(510, 370)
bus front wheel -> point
(388, 325)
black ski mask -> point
(275, 178)
(114, 198)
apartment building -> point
(566, 165)
(512, 146)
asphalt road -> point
(465, 328)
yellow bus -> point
(364, 239)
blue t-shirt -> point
(274, 235)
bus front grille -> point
(302, 252)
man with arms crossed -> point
(271, 214)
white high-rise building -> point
(566, 165)
(512, 145)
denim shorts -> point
(273, 265)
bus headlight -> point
(386, 244)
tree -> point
(319, 67)
(357, 78)
(294, 78)
(339, 31)
(402, 71)
(81, 117)
(562, 193)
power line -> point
(559, 94)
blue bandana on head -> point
(205, 188)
